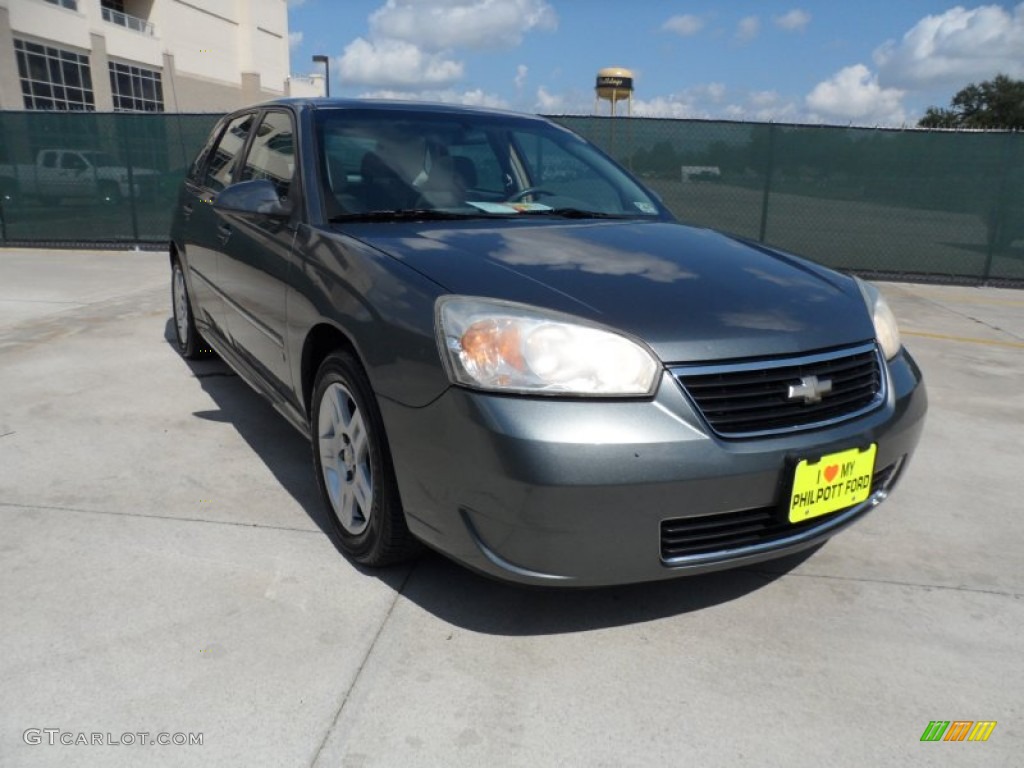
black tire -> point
(110, 193)
(9, 192)
(190, 344)
(1004, 233)
(358, 488)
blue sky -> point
(862, 63)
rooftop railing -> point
(126, 20)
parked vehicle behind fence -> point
(58, 174)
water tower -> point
(614, 84)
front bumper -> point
(574, 493)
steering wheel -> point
(518, 196)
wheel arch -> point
(322, 339)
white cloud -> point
(956, 47)
(714, 101)
(676, 105)
(555, 103)
(395, 64)
(763, 106)
(475, 24)
(520, 79)
(854, 95)
(715, 91)
(294, 39)
(795, 20)
(748, 28)
(684, 25)
(475, 97)
(709, 101)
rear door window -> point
(224, 157)
(272, 153)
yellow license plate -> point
(835, 481)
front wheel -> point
(189, 342)
(8, 192)
(353, 465)
(110, 193)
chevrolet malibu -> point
(502, 346)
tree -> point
(997, 103)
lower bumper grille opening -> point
(688, 536)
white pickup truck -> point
(75, 173)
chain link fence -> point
(90, 178)
(936, 204)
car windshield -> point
(441, 165)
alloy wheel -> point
(181, 309)
(344, 451)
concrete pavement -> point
(163, 570)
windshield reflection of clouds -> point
(423, 243)
(794, 280)
(774, 320)
(566, 253)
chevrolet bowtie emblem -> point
(810, 388)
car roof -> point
(392, 105)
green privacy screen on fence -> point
(64, 176)
(900, 202)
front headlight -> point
(505, 347)
(886, 329)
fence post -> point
(767, 181)
(997, 213)
(131, 187)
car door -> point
(47, 170)
(77, 178)
(254, 261)
(201, 237)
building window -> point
(69, 4)
(136, 89)
(52, 78)
(114, 5)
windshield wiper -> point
(575, 213)
(404, 214)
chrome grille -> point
(763, 397)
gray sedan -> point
(502, 346)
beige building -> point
(144, 55)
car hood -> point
(690, 294)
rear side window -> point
(225, 155)
(272, 154)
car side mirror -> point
(255, 196)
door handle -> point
(225, 232)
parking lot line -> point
(965, 299)
(965, 339)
